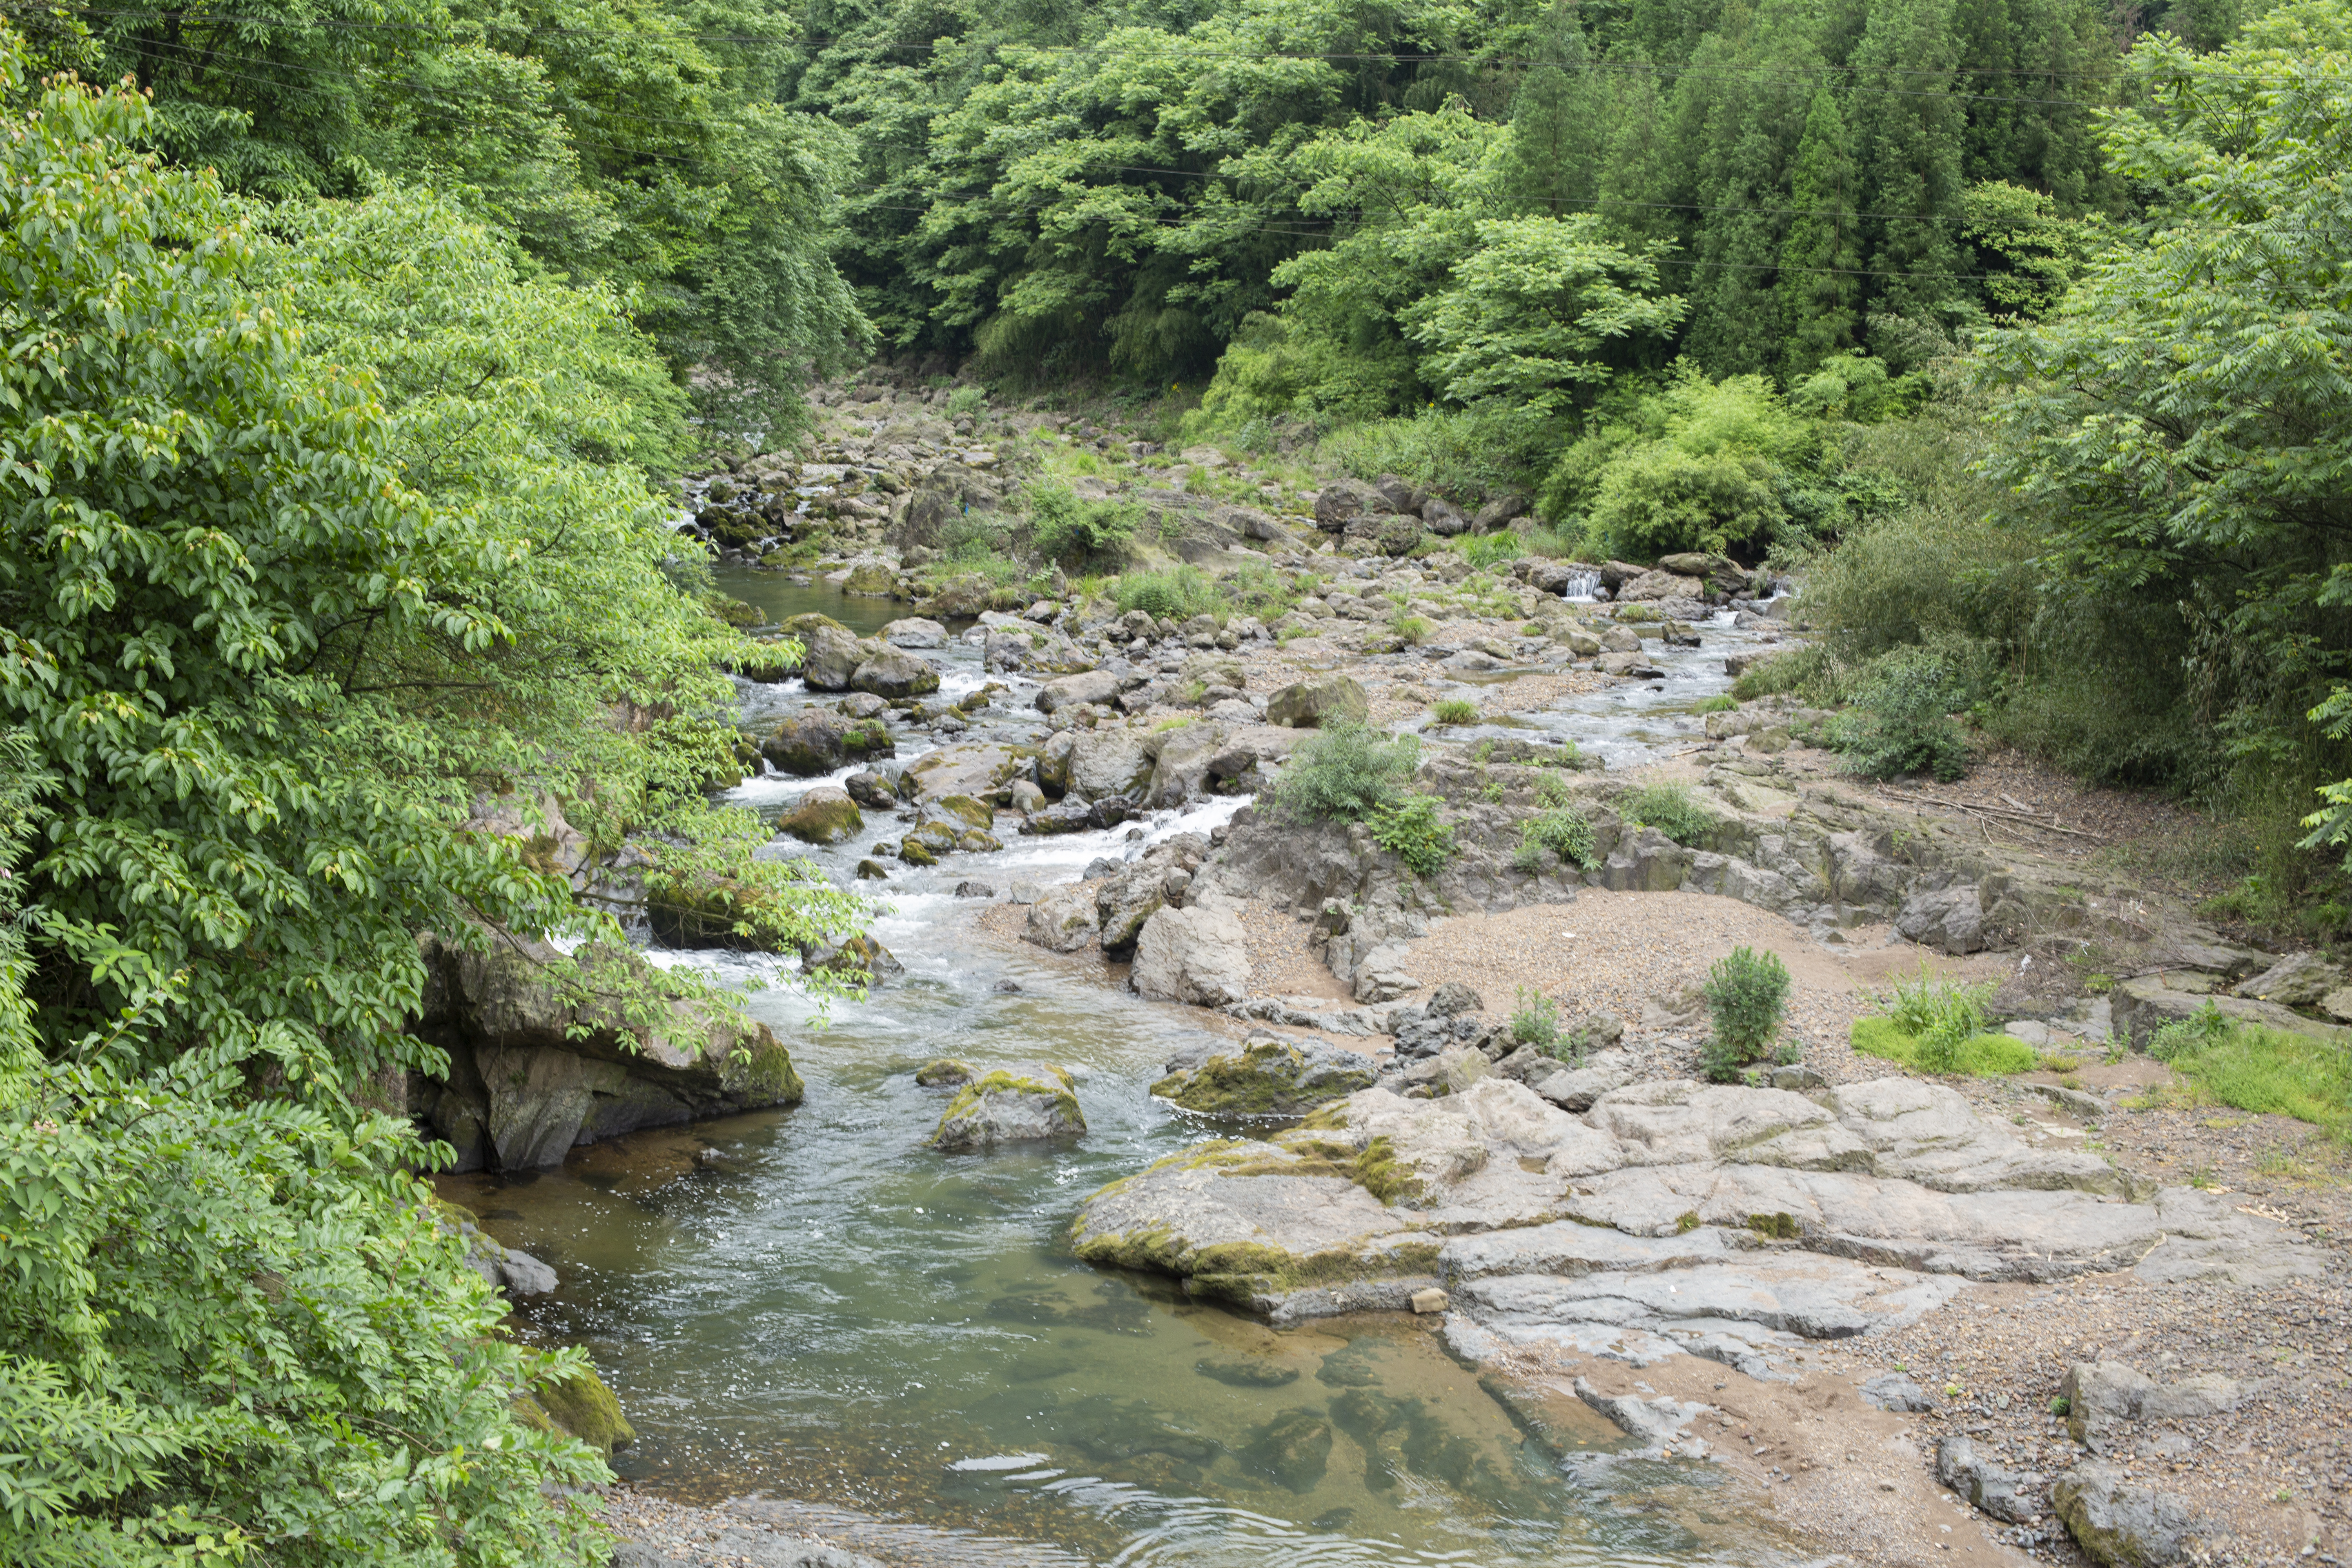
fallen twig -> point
(1999, 814)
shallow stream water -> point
(811, 1305)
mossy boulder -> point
(973, 812)
(1311, 704)
(1021, 1102)
(944, 1072)
(825, 816)
(580, 1406)
(871, 581)
(814, 742)
(1268, 1076)
(733, 611)
(915, 852)
(894, 673)
(937, 837)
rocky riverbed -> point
(1849, 1295)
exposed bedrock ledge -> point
(1674, 1218)
(522, 1089)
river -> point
(810, 1305)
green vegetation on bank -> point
(2259, 1069)
(327, 530)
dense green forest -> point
(351, 348)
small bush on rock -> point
(1669, 808)
(1344, 773)
(1066, 528)
(1411, 828)
(1748, 993)
(1456, 711)
(1563, 832)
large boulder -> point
(1951, 919)
(537, 1066)
(832, 657)
(1125, 901)
(1199, 954)
(1654, 585)
(1070, 690)
(985, 770)
(1267, 1076)
(817, 740)
(2298, 980)
(1341, 501)
(1063, 921)
(2145, 1003)
(894, 673)
(1111, 763)
(826, 814)
(1020, 1102)
(1309, 704)
(915, 631)
(2117, 1521)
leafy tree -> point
(2182, 413)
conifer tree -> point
(1818, 287)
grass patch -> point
(1717, 704)
(1669, 808)
(1562, 831)
(2263, 1070)
(1456, 711)
(1979, 1055)
(1177, 593)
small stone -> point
(1430, 1300)
(969, 889)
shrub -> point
(1669, 808)
(1789, 671)
(1748, 995)
(1409, 827)
(1410, 628)
(1938, 1025)
(1066, 528)
(1345, 772)
(1535, 1022)
(1719, 704)
(1177, 593)
(1902, 723)
(1456, 711)
(1483, 551)
(966, 400)
(1564, 832)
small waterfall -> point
(1581, 587)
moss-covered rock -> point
(580, 1407)
(972, 812)
(733, 611)
(939, 837)
(915, 852)
(814, 742)
(1268, 1076)
(872, 580)
(825, 816)
(859, 957)
(944, 1072)
(770, 661)
(1021, 1102)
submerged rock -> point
(1268, 1076)
(1021, 1102)
(580, 1406)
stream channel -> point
(810, 1305)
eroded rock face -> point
(1668, 1211)
(521, 1090)
(1198, 954)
